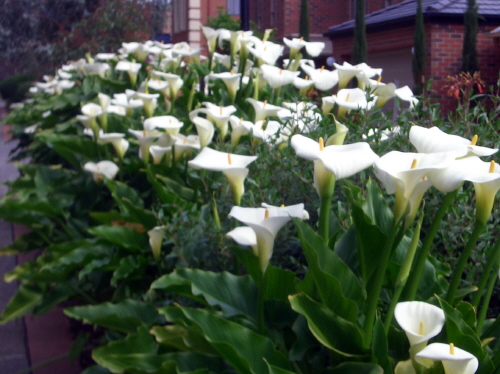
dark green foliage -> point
(418, 61)
(359, 53)
(469, 51)
(304, 20)
(15, 87)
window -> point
(233, 7)
(179, 15)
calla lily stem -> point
(378, 282)
(260, 305)
(324, 217)
(418, 269)
(462, 261)
(491, 262)
(403, 275)
(486, 301)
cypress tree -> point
(359, 53)
(304, 20)
(469, 52)
(418, 60)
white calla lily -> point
(334, 161)
(430, 140)
(102, 169)
(401, 172)
(266, 222)
(454, 359)
(420, 321)
(233, 166)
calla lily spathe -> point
(454, 359)
(484, 175)
(339, 161)
(420, 321)
(233, 166)
(263, 109)
(400, 173)
(265, 222)
(102, 169)
(430, 140)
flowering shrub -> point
(125, 195)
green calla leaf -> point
(337, 285)
(331, 330)
(136, 352)
(277, 370)
(183, 339)
(123, 236)
(24, 300)
(120, 191)
(126, 316)
(357, 368)
(242, 347)
(234, 294)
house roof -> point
(432, 9)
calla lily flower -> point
(233, 166)
(265, 222)
(323, 79)
(170, 123)
(97, 68)
(277, 77)
(105, 56)
(238, 129)
(156, 240)
(132, 69)
(295, 45)
(454, 359)
(211, 35)
(263, 109)
(406, 94)
(150, 102)
(347, 71)
(184, 145)
(160, 86)
(484, 175)
(245, 236)
(349, 99)
(266, 53)
(157, 152)
(146, 138)
(231, 80)
(126, 102)
(258, 131)
(334, 161)
(102, 169)
(90, 112)
(402, 172)
(116, 139)
(205, 130)
(175, 82)
(420, 321)
(384, 92)
(217, 114)
(430, 140)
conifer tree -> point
(469, 52)
(359, 53)
(304, 20)
(418, 61)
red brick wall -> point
(446, 58)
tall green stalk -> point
(378, 282)
(403, 274)
(416, 273)
(492, 259)
(462, 262)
